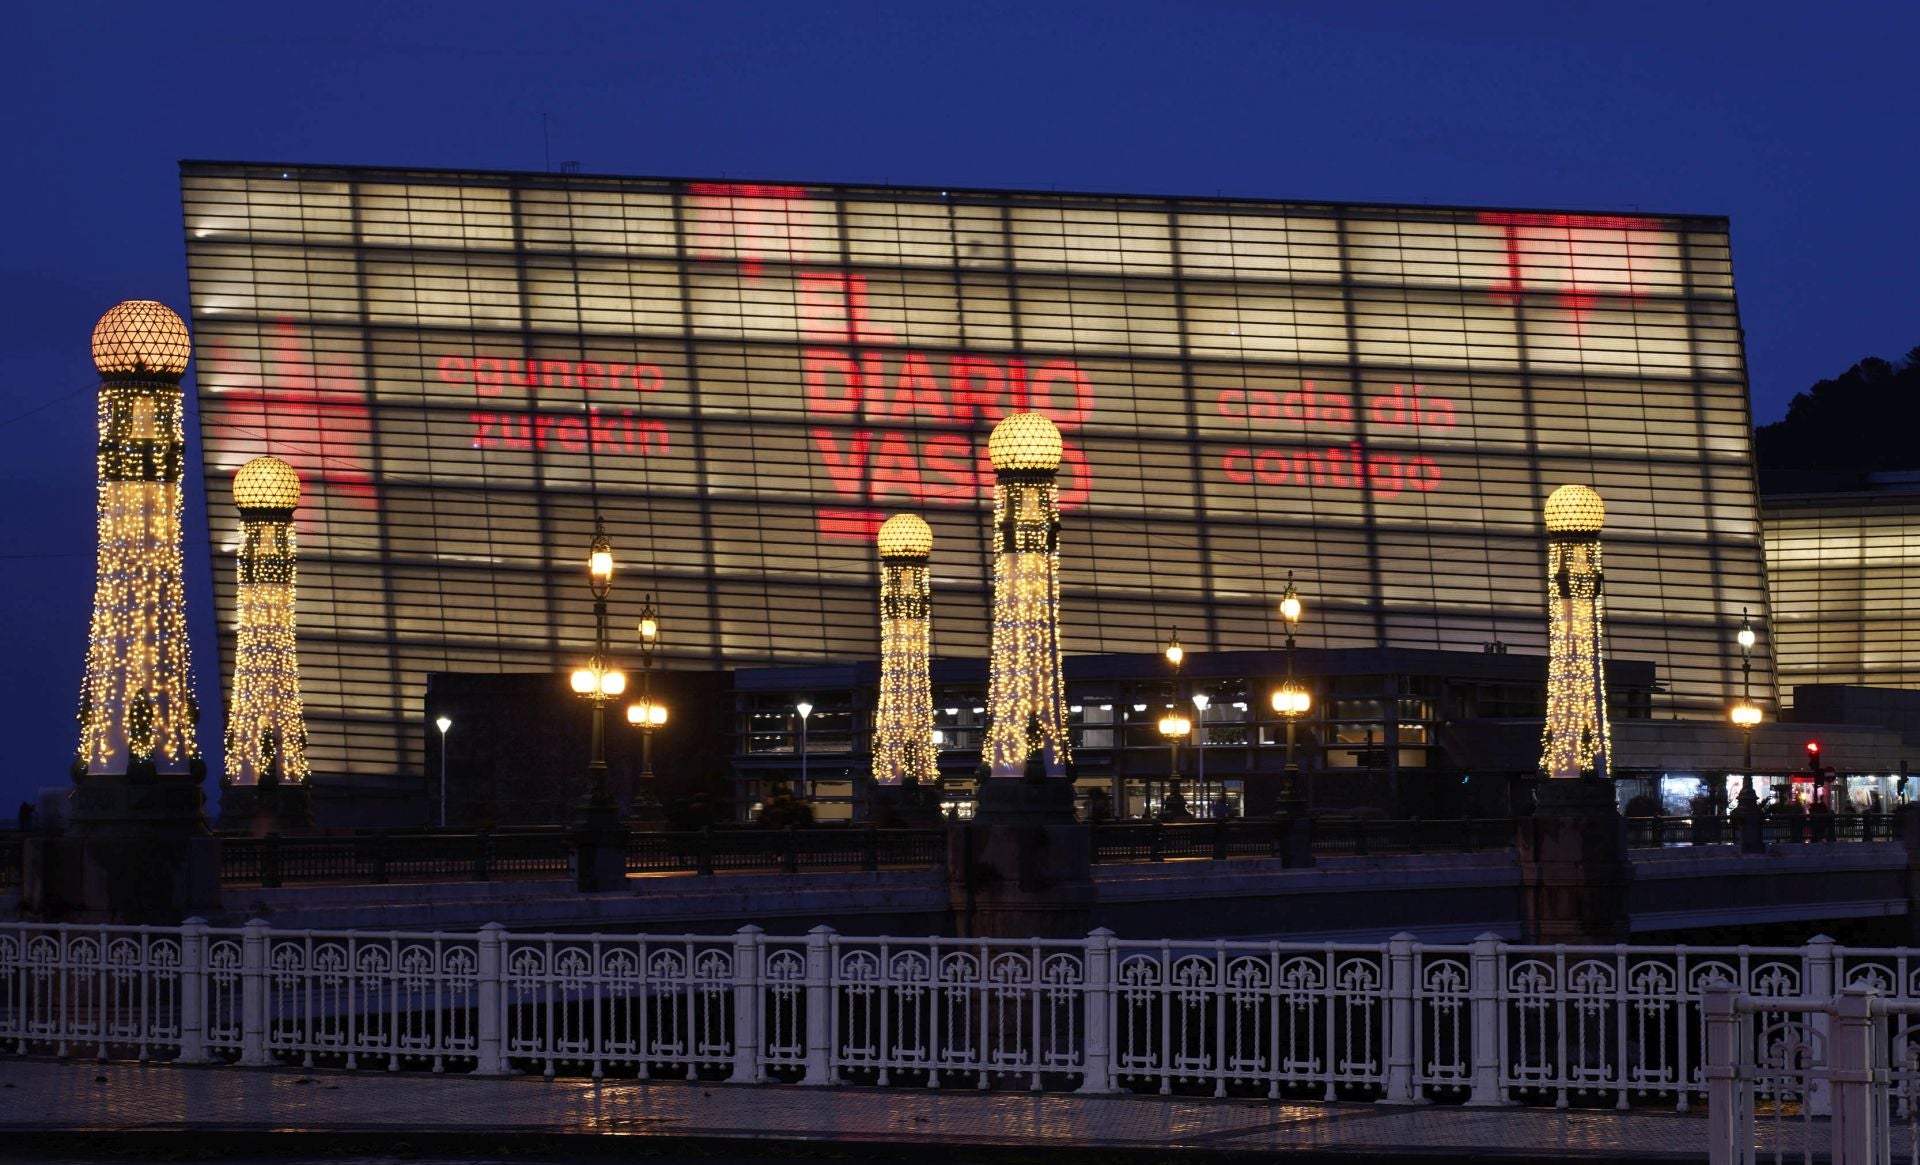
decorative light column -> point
(137, 711)
(1026, 695)
(1576, 740)
(266, 731)
(903, 720)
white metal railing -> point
(1398, 1021)
(1777, 1064)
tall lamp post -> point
(1291, 701)
(1745, 715)
(1200, 702)
(598, 682)
(443, 723)
(647, 715)
(805, 709)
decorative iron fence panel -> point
(1483, 1023)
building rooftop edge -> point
(216, 167)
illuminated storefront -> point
(746, 379)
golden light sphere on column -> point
(1026, 693)
(1025, 441)
(141, 337)
(1576, 739)
(266, 724)
(137, 708)
(1575, 509)
(903, 743)
(905, 536)
(266, 483)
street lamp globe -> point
(600, 562)
(1175, 652)
(583, 681)
(443, 723)
(1291, 700)
(646, 714)
(1173, 726)
(612, 683)
(1745, 715)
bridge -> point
(1441, 880)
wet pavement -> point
(87, 1111)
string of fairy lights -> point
(1577, 737)
(1026, 692)
(136, 698)
(266, 726)
(903, 742)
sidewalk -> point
(50, 1108)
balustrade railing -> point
(1484, 1023)
(547, 853)
(275, 860)
(711, 851)
(1775, 829)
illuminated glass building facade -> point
(1845, 580)
(745, 379)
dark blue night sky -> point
(1796, 121)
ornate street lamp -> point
(1291, 701)
(647, 715)
(1173, 726)
(598, 682)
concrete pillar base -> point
(1574, 870)
(1023, 867)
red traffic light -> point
(1813, 748)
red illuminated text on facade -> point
(1562, 243)
(599, 431)
(1400, 407)
(491, 376)
(752, 219)
(945, 468)
(1348, 467)
(959, 389)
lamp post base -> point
(137, 852)
(1573, 862)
